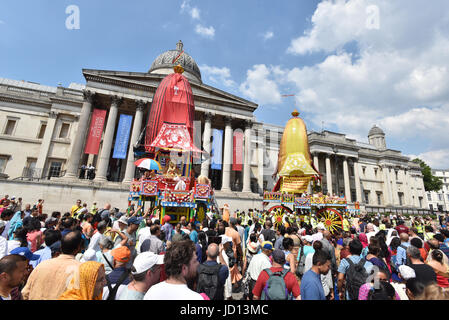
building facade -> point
(45, 129)
(439, 201)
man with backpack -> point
(212, 275)
(276, 283)
(353, 272)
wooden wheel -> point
(278, 212)
(331, 218)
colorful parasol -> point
(149, 164)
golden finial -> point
(178, 69)
(295, 113)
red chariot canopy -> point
(174, 137)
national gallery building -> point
(45, 137)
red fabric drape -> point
(172, 103)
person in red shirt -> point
(401, 228)
(278, 266)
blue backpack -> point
(275, 288)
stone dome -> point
(376, 130)
(165, 62)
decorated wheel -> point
(331, 218)
(278, 213)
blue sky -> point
(350, 63)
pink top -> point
(34, 239)
(365, 289)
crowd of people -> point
(105, 254)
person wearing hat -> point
(12, 270)
(251, 250)
(146, 271)
(277, 268)
(119, 275)
(167, 227)
(258, 263)
(24, 251)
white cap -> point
(2, 223)
(225, 239)
(406, 272)
(308, 238)
(320, 226)
(146, 260)
(89, 255)
(13, 198)
(123, 220)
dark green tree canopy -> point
(431, 183)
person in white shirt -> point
(181, 266)
(258, 263)
(95, 240)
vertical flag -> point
(95, 131)
(217, 143)
(237, 157)
(122, 137)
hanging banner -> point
(122, 137)
(217, 142)
(295, 184)
(237, 157)
(95, 131)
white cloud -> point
(208, 32)
(261, 84)
(436, 159)
(195, 13)
(217, 75)
(268, 35)
(397, 77)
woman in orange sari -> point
(87, 284)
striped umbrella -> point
(149, 164)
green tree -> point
(431, 183)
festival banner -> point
(217, 143)
(237, 157)
(95, 131)
(122, 137)
(295, 184)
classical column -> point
(346, 180)
(387, 185)
(137, 128)
(247, 158)
(358, 190)
(316, 163)
(227, 156)
(107, 141)
(394, 187)
(207, 146)
(407, 190)
(260, 159)
(328, 175)
(78, 143)
(46, 141)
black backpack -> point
(356, 276)
(209, 283)
(269, 235)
